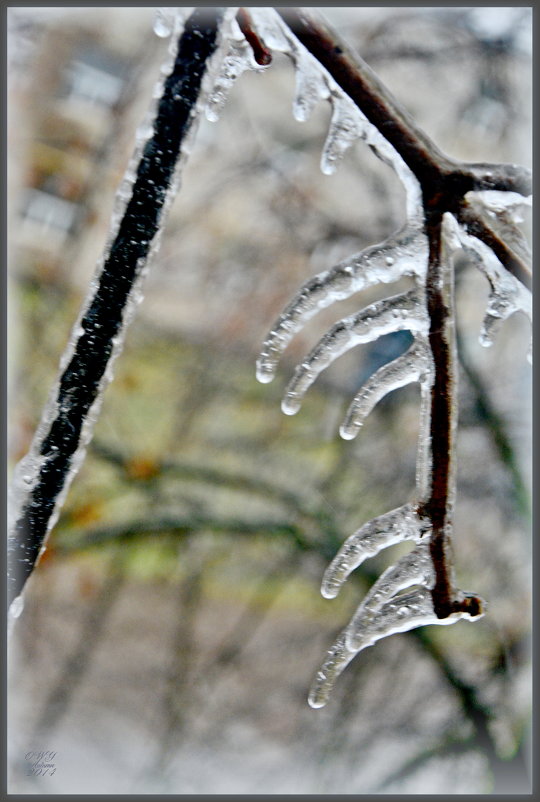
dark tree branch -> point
(364, 87)
(437, 507)
(444, 184)
(444, 181)
(81, 381)
(179, 526)
(261, 53)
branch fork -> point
(454, 211)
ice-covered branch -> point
(450, 206)
(402, 254)
(386, 530)
(502, 238)
(43, 476)
(412, 366)
(363, 86)
(507, 295)
(401, 312)
(401, 614)
(501, 177)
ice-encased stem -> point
(386, 530)
(414, 568)
(507, 294)
(238, 59)
(412, 366)
(400, 312)
(402, 254)
(42, 478)
(401, 613)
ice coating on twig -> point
(400, 312)
(40, 460)
(347, 125)
(314, 83)
(498, 201)
(414, 568)
(423, 451)
(503, 213)
(239, 59)
(396, 526)
(402, 254)
(411, 366)
(165, 21)
(401, 614)
(507, 295)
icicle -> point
(397, 313)
(403, 254)
(400, 614)
(412, 366)
(311, 78)
(414, 568)
(314, 83)
(15, 610)
(238, 60)
(338, 658)
(16, 607)
(164, 22)
(347, 125)
(386, 530)
(311, 86)
(507, 295)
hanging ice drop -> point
(164, 22)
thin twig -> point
(261, 53)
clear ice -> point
(391, 605)
(412, 366)
(386, 530)
(238, 59)
(402, 254)
(405, 311)
(27, 470)
(403, 612)
(507, 294)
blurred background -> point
(172, 629)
